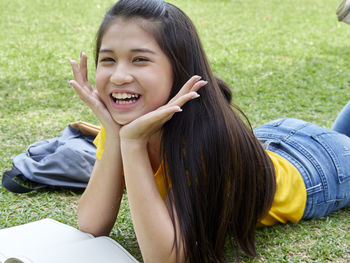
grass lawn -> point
(281, 58)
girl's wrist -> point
(132, 144)
(112, 138)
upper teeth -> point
(124, 95)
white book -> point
(49, 241)
(343, 11)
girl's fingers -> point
(143, 127)
(80, 72)
(180, 101)
(198, 85)
(80, 83)
(189, 84)
(193, 84)
(76, 72)
(186, 87)
(160, 116)
(83, 66)
(91, 99)
(88, 94)
(164, 115)
(83, 93)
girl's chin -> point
(122, 122)
(124, 119)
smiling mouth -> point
(125, 98)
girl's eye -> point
(107, 60)
(140, 59)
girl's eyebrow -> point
(142, 50)
(134, 50)
(105, 51)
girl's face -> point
(133, 75)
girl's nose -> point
(121, 75)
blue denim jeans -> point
(342, 122)
(321, 156)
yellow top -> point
(290, 197)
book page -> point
(96, 250)
(39, 235)
(2, 258)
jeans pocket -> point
(338, 147)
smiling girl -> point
(196, 175)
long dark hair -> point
(220, 180)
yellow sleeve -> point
(160, 181)
(99, 142)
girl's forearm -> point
(151, 219)
(99, 205)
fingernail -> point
(179, 109)
(203, 83)
(195, 96)
(69, 82)
(198, 78)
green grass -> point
(281, 58)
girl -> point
(196, 175)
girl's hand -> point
(141, 129)
(90, 95)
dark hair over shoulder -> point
(222, 180)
